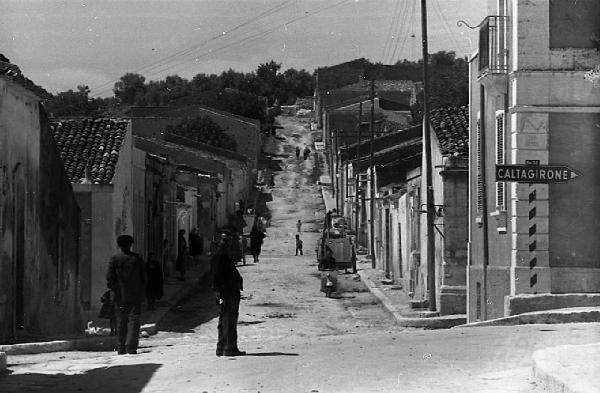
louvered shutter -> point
(500, 186)
(479, 177)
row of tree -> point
(250, 94)
(247, 94)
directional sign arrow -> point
(535, 173)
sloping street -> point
(297, 339)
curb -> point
(444, 322)
(548, 368)
(92, 342)
(568, 315)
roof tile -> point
(451, 126)
(95, 143)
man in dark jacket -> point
(126, 277)
(227, 282)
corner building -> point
(531, 105)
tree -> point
(203, 129)
(73, 103)
(129, 88)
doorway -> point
(18, 229)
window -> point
(500, 186)
(478, 160)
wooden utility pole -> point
(428, 164)
(357, 176)
(338, 193)
(372, 176)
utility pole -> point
(357, 175)
(428, 164)
(338, 193)
(372, 176)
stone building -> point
(39, 219)
(530, 105)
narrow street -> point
(297, 339)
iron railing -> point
(493, 52)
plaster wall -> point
(39, 224)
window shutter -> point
(500, 186)
(479, 177)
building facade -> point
(39, 220)
(530, 105)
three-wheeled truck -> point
(335, 249)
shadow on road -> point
(272, 354)
(116, 379)
(198, 308)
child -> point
(154, 287)
(298, 245)
(108, 311)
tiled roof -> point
(381, 85)
(13, 73)
(95, 143)
(451, 126)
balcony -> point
(493, 52)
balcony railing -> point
(493, 52)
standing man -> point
(126, 277)
(298, 245)
(227, 282)
(299, 226)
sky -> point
(63, 44)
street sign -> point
(535, 173)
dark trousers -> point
(128, 321)
(299, 250)
(228, 318)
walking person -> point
(299, 226)
(182, 255)
(227, 282)
(298, 245)
(154, 288)
(126, 278)
(107, 310)
(297, 152)
(306, 153)
(195, 243)
(256, 241)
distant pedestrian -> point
(256, 240)
(297, 152)
(196, 246)
(227, 282)
(306, 153)
(182, 255)
(108, 311)
(328, 219)
(166, 256)
(126, 277)
(299, 226)
(298, 245)
(154, 288)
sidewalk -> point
(393, 296)
(395, 299)
(174, 292)
(568, 368)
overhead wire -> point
(438, 8)
(390, 35)
(405, 31)
(263, 33)
(183, 52)
(398, 30)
